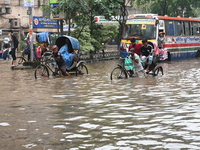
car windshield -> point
(139, 31)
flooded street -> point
(92, 113)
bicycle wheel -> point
(20, 60)
(118, 73)
(81, 69)
(158, 70)
(41, 71)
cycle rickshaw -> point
(69, 45)
(121, 72)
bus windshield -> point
(140, 29)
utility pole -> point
(29, 12)
(61, 27)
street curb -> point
(102, 59)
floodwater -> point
(92, 113)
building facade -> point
(14, 16)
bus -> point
(182, 38)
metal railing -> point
(100, 55)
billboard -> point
(44, 22)
(28, 3)
(101, 19)
(53, 3)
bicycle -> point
(120, 72)
(21, 59)
(48, 63)
(25, 57)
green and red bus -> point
(182, 38)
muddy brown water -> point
(91, 112)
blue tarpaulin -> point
(68, 57)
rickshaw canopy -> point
(73, 42)
(44, 37)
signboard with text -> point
(7, 2)
(53, 3)
(43, 22)
(28, 3)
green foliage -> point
(82, 13)
(172, 8)
(85, 39)
(22, 43)
(94, 42)
(109, 31)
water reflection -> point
(91, 112)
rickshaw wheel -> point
(81, 69)
(158, 70)
(118, 73)
(41, 72)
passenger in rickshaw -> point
(44, 39)
(67, 56)
(43, 47)
(146, 54)
(135, 45)
(60, 61)
(75, 60)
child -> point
(60, 62)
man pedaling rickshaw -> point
(60, 61)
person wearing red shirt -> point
(135, 45)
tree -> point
(183, 8)
(70, 9)
(83, 12)
(117, 9)
(86, 40)
(94, 42)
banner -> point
(43, 22)
(28, 3)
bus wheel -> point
(198, 53)
(169, 56)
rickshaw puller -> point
(60, 62)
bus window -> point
(140, 31)
(166, 27)
(186, 28)
(177, 25)
(198, 27)
(171, 28)
(194, 28)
